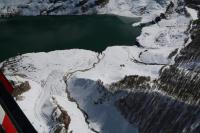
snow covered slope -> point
(45, 77)
(147, 8)
(70, 89)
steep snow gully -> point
(122, 90)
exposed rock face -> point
(61, 119)
(20, 88)
(134, 81)
(180, 83)
(182, 79)
(191, 53)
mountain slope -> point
(126, 87)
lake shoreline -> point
(25, 34)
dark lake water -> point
(20, 35)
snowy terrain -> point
(46, 80)
(78, 80)
(193, 13)
(148, 9)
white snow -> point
(103, 113)
(147, 9)
(28, 102)
(167, 33)
(37, 66)
(45, 71)
(156, 56)
(77, 123)
(162, 38)
(109, 69)
(193, 13)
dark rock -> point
(131, 82)
(196, 2)
(101, 2)
(173, 53)
(162, 16)
(20, 89)
(157, 19)
(61, 121)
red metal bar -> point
(8, 126)
(6, 83)
(14, 120)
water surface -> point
(20, 35)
